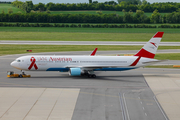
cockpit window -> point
(18, 60)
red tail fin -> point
(150, 48)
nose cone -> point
(12, 64)
(15, 65)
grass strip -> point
(88, 30)
(168, 56)
(20, 49)
(82, 36)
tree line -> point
(128, 17)
(111, 5)
(87, 25)
(5, 2)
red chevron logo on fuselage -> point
(153, 44)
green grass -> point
(5, 7)
(19, 49)
(168, 47)
(83, 36)
(88, 30)
(94, 12)
(168, 56)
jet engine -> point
(75, 72)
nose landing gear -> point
(23, 75)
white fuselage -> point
(95, 63)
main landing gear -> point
(92, 76)
(89, 74)
(21, 75)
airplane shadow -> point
(122, 78)
(160, 75)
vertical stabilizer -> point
(150, 48)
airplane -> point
(80, 65)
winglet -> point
(150, 48)
(94, 52)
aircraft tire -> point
(94, 76)
(20, 76)
(89, 76)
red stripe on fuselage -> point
(135, 62)
(145, 53)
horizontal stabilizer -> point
(154, 62)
